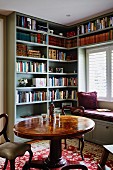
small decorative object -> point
(51, 31)
(50, 69)
(51, 110)
(44, 116)
(23, 82)
(59, 70)
(61, 34)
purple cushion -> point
(87, 99)
(94, 114)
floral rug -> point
(92, 154)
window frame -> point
(108, 49)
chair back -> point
(74, 110)
(3, 130)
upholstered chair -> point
(107, 150)
(11, 150)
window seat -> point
(94, 114)
(103, 131)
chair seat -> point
(11, 150)
(107, 149)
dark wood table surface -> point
(55, 131)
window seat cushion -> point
(106, 116)
(94, 114)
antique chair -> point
(11, 150)
(75, 111)
(74, 166)
(107, 149)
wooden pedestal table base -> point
(65, 127)
(54, 159)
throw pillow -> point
(87, 99)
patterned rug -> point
(92, 154)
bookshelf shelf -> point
(31, 43)
(26, 88)
(31, 58)
(30, 103)
(54, 35)
(62, 61)
(53, 87)
(30, 30)
(57, 47)
(31, 73)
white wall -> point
(1, 69)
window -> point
(100, 71)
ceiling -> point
(66, 12)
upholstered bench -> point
(94, 114)
(103, 131)
(106, 116)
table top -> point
(64, 127)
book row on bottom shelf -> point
(25, 96)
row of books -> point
(63, 81)
(56, 41)
(29, 66)
(22, 96)
(96, 38)
(27, 22)
(61, 55)
(62, 94)
(32, 37)
(22, 50)
(100, 23)
(56, 54)
(71, 43)
(96, 25)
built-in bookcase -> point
(38, 53)
(51, 58)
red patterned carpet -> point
(92, 154)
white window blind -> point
(97, 73)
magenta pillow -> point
(87, 99)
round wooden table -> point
(55, 131)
